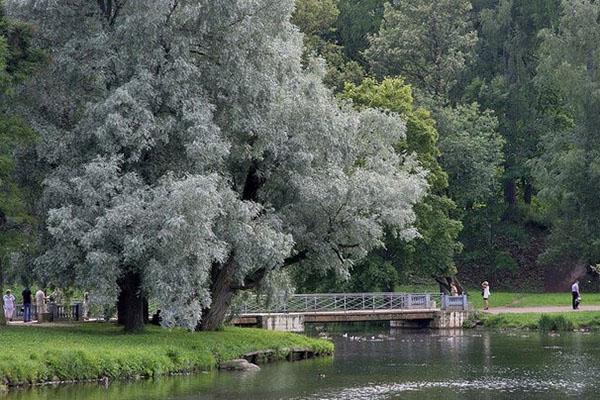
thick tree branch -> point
(254, 280)
(253, 183)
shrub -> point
(549, 323)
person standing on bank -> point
(9, 305)
(576, 295)
(40, 303)
(26, 293)
(485, 293)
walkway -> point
(540, 310)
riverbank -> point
(93, 351)
(560, 321)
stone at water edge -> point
(239, 365)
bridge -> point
(405, 310)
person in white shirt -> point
(576, 295)
(485, 293)
(40, 303)
(9, 305)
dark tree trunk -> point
(510, 192)
(130, 305)
(446, 282)
(146, 310)
(222, 292)
(527, 192)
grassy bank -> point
(555, 321)
(512, 299)
(32, 354)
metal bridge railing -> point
(325, 302)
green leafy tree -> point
(315, 17)
(192, 156)
(17, 61)
(471, 153)
(432, 254)
(429, 42)
(317, 20)
(568, 170)
(502, 79)
(356, 21)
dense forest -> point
(189, 151)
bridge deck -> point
(293, 311)
(346, 316)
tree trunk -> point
(146, 310)
(222, 293)
(527, 192)
(445, 283)
(510, 192)
(130, 305)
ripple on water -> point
(383, 391)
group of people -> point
(10, 304)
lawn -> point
(34, 354)
(512, 299)
(589, 320)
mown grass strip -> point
(511, 299)
(588, 320)
(32, 354)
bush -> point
(549, 323)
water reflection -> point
(384, 364)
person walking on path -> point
(85, 306)
(9, 305)
(40, 303)
(485, 293)
(576, 295)
(26, 293)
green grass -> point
(589, 320)
(511, 299)
(32, 354)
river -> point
(385, 365)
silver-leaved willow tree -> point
(191, 155)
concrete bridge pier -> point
(292, 322)
(440, 320)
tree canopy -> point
(192, 154)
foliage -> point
(471, 153)
(433, 252)
(549, 323)
(199, 156)
(356, 21)
(502, 79)
(17, 61)
(315, 17)
(94, 351)
(568, 169)
(428, 42)
(317, 20)
(588, 320)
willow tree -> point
(192, 155)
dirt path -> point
(545, 309)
